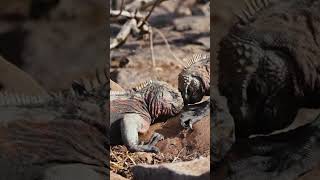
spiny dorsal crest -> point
(252, 7)
(12, 99)
(190, 60)
(136, 88)
(117, 93)
(86, 85)
(142, 85)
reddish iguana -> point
(55, 133)
(132, 112)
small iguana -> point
(132, 112)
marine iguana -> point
(269, 64)
(194, 83)
(49, 131)
(194, 79)
(132, 112)
(268, 69)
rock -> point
(222, 126)
(114, 176)
(10, 75)
(205, 41)
(194, 23)
(191, 170)
(54, 42)
(72, 171)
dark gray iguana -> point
(194, 84)
(132, 112)
(269, 64)
(194, 79)
(269, 68)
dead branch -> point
(123, 34)
(121, 7)
(168, 46)
(136, 23)
(152, 50)
(141, 4)
(127, 14)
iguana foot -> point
(194, 113)
(150, 146)
(155, 138)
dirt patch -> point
(179, 145)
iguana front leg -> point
(194, 113)
(131, 125)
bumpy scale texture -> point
(269, 68)
(44, 132)
(132, 111)
(269, 64)
(194, 80)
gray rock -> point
(194, 23)
(191, 170)
(114, 176)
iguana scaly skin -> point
(194, 80)
(194, 83)
(66, 128)
(269, 64)
(268, 69)
(134, 110)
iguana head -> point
(161, 99)
(194, 80)
(254, 75)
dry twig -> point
(137, 23)
(168, 46)
(177, 155)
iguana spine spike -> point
(190, 60)
(142, 85)
(250, 9)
